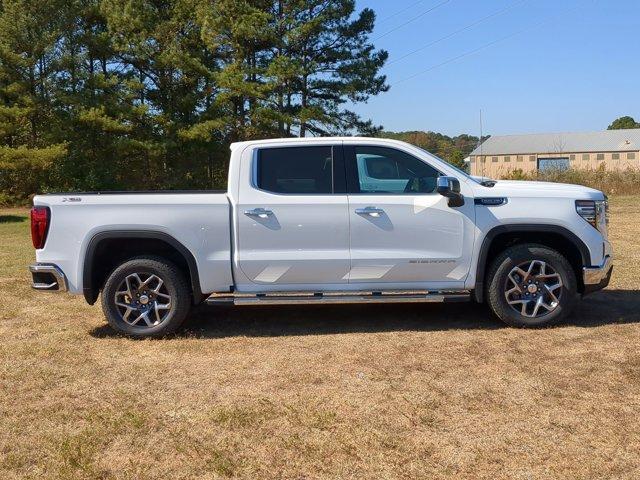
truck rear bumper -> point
(48, 277)
(597, 278)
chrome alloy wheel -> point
(143, 300)
(533, 289)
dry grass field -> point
(422, 391)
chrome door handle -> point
(371, 211)
(259, 212)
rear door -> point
(402, 232)
(292, 218)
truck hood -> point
(523, 188)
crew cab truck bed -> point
(105, 229)
(326, 220)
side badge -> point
(491, 201)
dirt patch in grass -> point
(404, 391)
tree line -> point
(452, 149)
(148, 94)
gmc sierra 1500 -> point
(326, 220)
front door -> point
(402, 232)
(292, 219)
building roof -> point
(603, 141)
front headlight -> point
(596, 212)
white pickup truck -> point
(326, 220)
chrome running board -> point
(305, 298)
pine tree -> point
(159, 59)
(92, 104)
(288, 67)
(238, 34)
(325, 60)
(29, 36)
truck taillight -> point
(40, 217)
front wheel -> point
(531, 285)
(146, 297)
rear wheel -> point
(531, 285)
(146, 297)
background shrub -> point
(619, 182)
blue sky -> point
(572, 65)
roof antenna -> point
(481, 142)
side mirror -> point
(450, 187)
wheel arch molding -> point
(94, 274)
(545, 234)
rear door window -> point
(296, 170)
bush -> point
(619, 182)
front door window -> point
(386, 170)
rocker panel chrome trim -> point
(291, 298)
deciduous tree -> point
(623, 122)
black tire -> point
(174, 286)
(499, 282)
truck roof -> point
(308, 140)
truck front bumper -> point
(48, 277)
(597, 278)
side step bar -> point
(337, 298)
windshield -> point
(462, 172)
